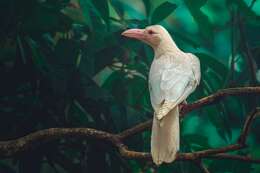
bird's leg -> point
(182, 104)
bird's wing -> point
(171, 81)
(195, 64)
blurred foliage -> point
(63, 63)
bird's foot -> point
(182, 104)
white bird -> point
(173, 76)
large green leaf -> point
(196, 140)
(213, 76)
(148, 5)
(116, 84)
(102, 7)
(185, 38)
(163, 11)
(85, 6)
(212, 62)
(195, 4)
(119, 7)
(205, 27)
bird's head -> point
(152, 35)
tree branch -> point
(31, 141)
(205, 101)
(234, 157)
(247, 125)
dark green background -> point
(64, 64)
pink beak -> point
(134, 33)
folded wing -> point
(171, 81)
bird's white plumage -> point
(172, 78)
(195, 66)
(165, 139)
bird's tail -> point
(165, 140)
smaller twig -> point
(247, 125)
(136, 129)
(204, 153)
(234, 157)
(123, 150)
(209, 100)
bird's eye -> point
(150, 32)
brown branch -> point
(136, 129)
(206, 101)
(33, 140)
(185, 156)
(216, 97)
(247, 125)
(209, 153)
(234, 157)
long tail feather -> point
(165, 140)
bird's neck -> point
(167, 46)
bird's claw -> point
(182, 104)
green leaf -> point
(186, 39)
(213, 63)
(77, 115)
(117, 84)
(246, 10)
(102, 7)
(195, 4)
(21, 49)
(85, 6)
(205, 27)
(37, 57)
(217, 120)
(163, 11)
(119, 8)
(196, 139)
(213, 75)
(105, 57)
(75, 14)
(147, 4)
